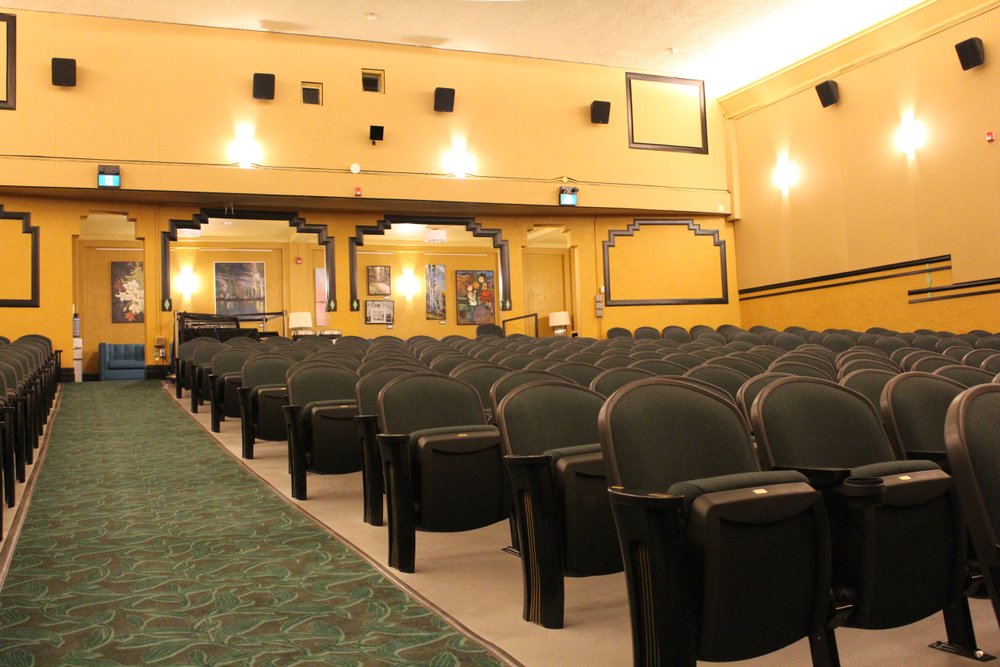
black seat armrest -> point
(820, 478)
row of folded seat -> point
(29, 378)
(836, 507)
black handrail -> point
(521, 317)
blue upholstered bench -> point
(123, 361)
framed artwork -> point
(434, 289)
(128, 295)
(378, 281)
(474, 297)
(378, 312)
(239, 288)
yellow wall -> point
(94, 301)
(167, 113)
(860, 202)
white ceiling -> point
(727, 43)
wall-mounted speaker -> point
(829, 93)
(444, 99)
(64, 72)
(376, 133)
(970, 53)
(600, 112)
(263, 86)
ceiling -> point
(727, 43)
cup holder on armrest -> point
(862, 492)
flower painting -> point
(474, 297)
(128, 298)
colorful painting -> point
(239, 288)
(378, 281)
(434, 289)
(128, 296)
(378, 312)
(320, 291)
(474, 297)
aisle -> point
(145, 543)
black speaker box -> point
(376, 133)
(970, 53)
(600, 112)
(444, 99)
(64, 72)
(263, 86)
(829, 93)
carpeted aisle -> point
(145, 543)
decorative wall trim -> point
(469, 224)
(201, 218)
(26, 228)
(8, 22)
(700, 85)
(838, 279)
(634, 227)
(968, 285)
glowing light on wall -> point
(911, 135)
(408, 284)
(785, 174)
(187, 282)
(458, 161)
(244, 150)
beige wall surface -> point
(861, 202)
(168, 112)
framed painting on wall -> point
(378, 312)
(434, 289)
(474, 297)
(239, 288)
(378, 281)
(128, 296)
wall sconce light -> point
(408, 284)
(458, 161)
(559, 321)
(785, 174)
(244, 150)
(187, 282)
(911, 135)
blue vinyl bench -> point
(122, 361)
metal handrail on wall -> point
(521, 317)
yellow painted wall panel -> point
(16, 245)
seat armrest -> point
(371, 469)
(399, 500)
(820, 478)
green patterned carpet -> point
(145, 543)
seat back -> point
(748, 392)
(973, 446)
(541, 416)
(728, 379)
(611, 380)
(482, 376)
(660, 431)
(869, 382)
(812, 423)
(310, 382)
(419, 401)
(580, 373)
(914, 406)
(511, 380)
(231, 359)
(266, 368)
(966, 375)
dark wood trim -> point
(955, 286)
(634, 227)
(632, 143)
(469, 224)
(34, 232)
(10, 22)
(66, 375)
(201, 218)
(847, 274)
(955, 296)
(848, 282)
